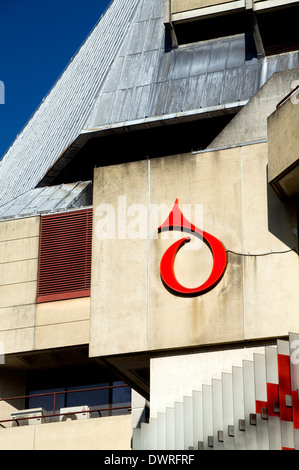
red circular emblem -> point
(177, 221)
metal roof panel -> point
(123, 73)
(62, 114)
(47, 199)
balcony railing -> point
(108, 409)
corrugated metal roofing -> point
(145, 81)
(123, 73)
(62, 114)
(48, 199)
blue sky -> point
(37, 40)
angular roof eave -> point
(63, 112)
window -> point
(53, 390)
(279, 30)
(65, 256)
(216, 27)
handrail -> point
(67, 413)
(286, 97)
(54, 394)
(63, 391)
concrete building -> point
(115, 332)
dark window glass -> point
(73, 392)
(121, 396)
(93, 398)
(279, 30)
(47, 401)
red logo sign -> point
(177, 221)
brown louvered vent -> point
(279, 30)
(274, 49)
(65, 256)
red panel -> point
(259, 405)
(65, 256)
(284, 379)
(273, 396)
(295, 404)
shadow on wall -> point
(282, 218)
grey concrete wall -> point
(19, 247)
(130, 308)
(112, 433)
(283, 155)
(25, 325)
(250, 124)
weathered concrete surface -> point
(283, 141)
(19, 248)
(112, 433)
(25, 325)
(178, 6)
(62, 323)
(119, 266)
(250, 124)
(130, 308)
